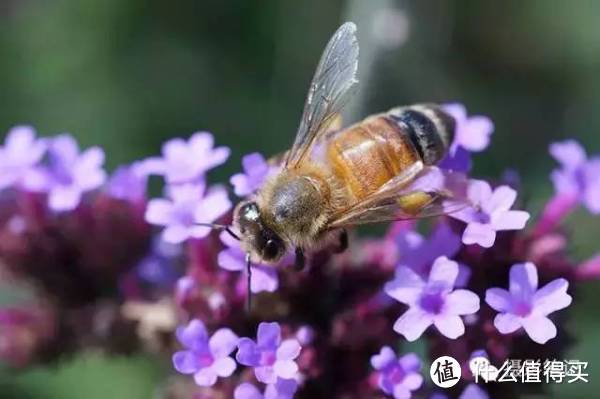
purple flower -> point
(271, 357)
(472, 134)
(206, 358)
(256, 170)
(282, 389)
(419, 253)
(431, 302)
(128, 183)
(187, 205)
(19, 155)
(397, 376)
(490, 212)
(579, 176)
(264, 277)
(70, 173)
(186, 162)
(523, 305)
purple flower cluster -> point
(96, 251)
(397, 376)
(53, 166)
(207, 358)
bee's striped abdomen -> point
(367, 155)
(431, 130)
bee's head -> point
(258, 238)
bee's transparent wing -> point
(333, 83)
(417, 193)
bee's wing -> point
(331, 86)
(417, 193)
(278, 160)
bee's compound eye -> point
(272, 248)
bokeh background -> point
(128, 75)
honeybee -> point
(333, 178)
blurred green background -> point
(129, 74)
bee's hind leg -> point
(343, 243)
(300, 260)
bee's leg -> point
(343, 243)
(300, 260)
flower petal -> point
(248, 353)
(458, 159)
(224, 366)
(193, 336)
(476, 133)
(591, 195)
(385, 356)
(158, 211)
(510, 220)
(64, 198)
(523, 280)
(186, 362)
(413, 381)
(410, 363)
(205, 377)
(268, 335)
(87, 171)
(241, 184)
(175, 234)
(247, 391)
(478, 233)
(457, 111)
(449, 325)
(565, 182)
(552, 297)
(569, 153)
(213, 205)
(65, 148)
(406, 286)
(255, 164)
(223, 342)
(288, 350)
(412, 323)
(479, 191)
(264, 278)
(265, 374)
(461, 302)
(230, 259)
(285, 368)
(201, 142)
(198, 231)
(282, 389)
(507, 323)
(401, 392)
(502, 200)
(443, 272)
(498, 298)
(539, 328)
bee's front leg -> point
(343, 243)
(300, 260)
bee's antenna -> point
(249, 272)
(220, 227)
(231, 233)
